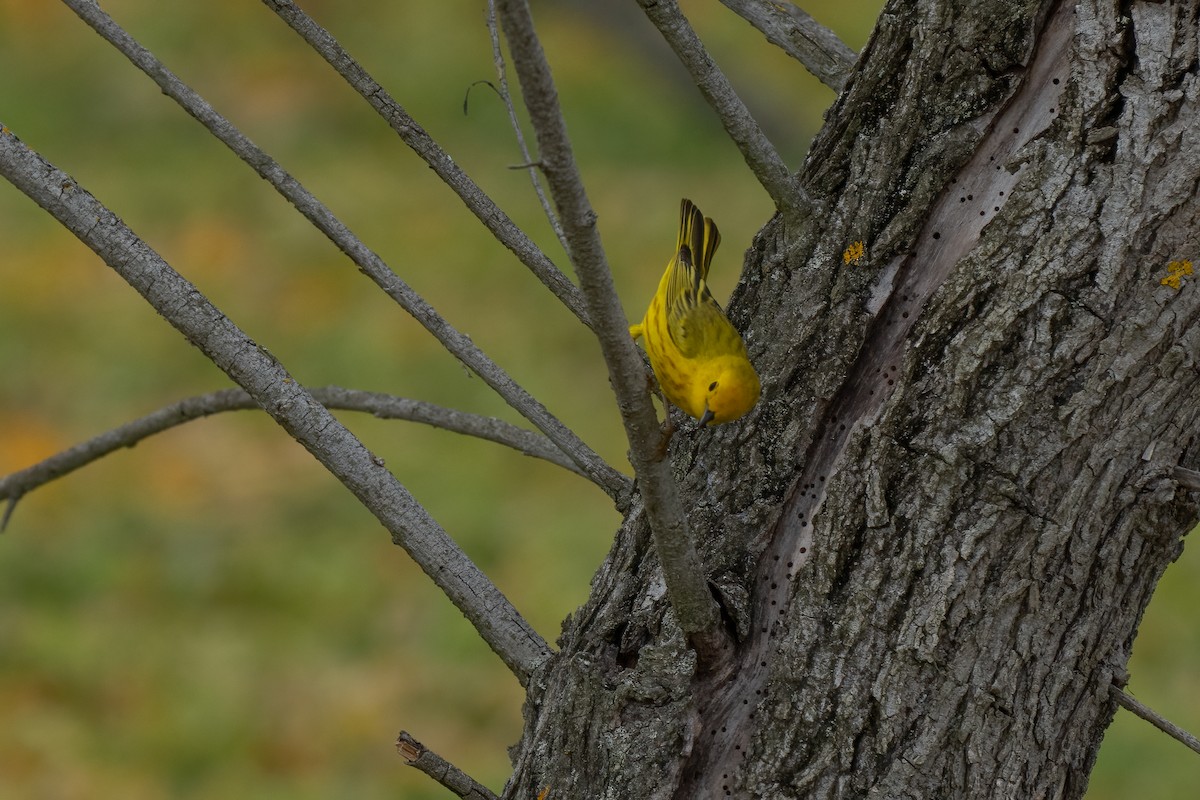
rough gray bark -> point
(935, 537)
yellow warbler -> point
(697, 355)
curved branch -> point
(281, 396)
(760, 155)
(614, 483)
(385, 406)
(683, 571)
(791, 29)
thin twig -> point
(385, 406)
(800, 36)
(419, 756)
(281, 396)
(413, 135)
(506, 96)
(9, 508)
(687, 587)
(760, 155)
(613, 483)
(1154, 718)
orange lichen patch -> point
(854, 253)
(1176, 270)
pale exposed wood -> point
(420, 757)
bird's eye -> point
(712, 387)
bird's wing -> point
(693, 317)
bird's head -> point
(730, 388)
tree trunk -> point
(935, 537)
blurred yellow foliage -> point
(27, 437)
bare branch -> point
(281, 396)
(1154, 718)
(9, 508)
(687, 587)
(419, 756)
(800, 36)
(615, 484)
(385, 406)
(760, 155)
(529, 162)
(413, 135)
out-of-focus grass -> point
(1137, 760)
(210, 615)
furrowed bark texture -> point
(936, 535)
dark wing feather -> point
(693, 316)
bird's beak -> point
(707, 418)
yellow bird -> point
(697, 355)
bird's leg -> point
(668, 428)
(668, 425)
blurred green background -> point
(210, 615)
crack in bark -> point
(953, 227)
